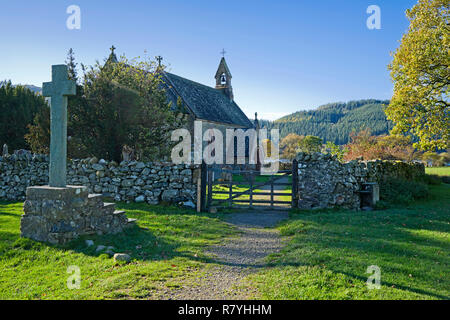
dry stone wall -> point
(127, 181)
(324, 182)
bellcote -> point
(223, 79)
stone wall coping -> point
(55, 193)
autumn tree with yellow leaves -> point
(421, 75)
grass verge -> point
(328, 253)
(166, 247)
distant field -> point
(443, 171)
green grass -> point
(326, 255)
(241, 188)
(166, 248)
(442, 172)
(242, 180)
(329, 251)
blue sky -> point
(284, 55)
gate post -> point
(295, 183)
(201, 204)
(210, 187)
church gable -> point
(206, 103)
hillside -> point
(335, 121)
(31, 87)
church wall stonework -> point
(128, 181)
(207, 125)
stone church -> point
(213, 106)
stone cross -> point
(159, 58)
(58, 90)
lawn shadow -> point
(348, 242)
(138, 242)
(7, 208)
(161, 233)
(399, 286)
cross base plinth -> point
(59, 215)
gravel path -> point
(235, 259)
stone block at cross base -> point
(59, 215)
(54, 193)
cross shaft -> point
(58, 90)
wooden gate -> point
(227, 188)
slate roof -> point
(205, 103)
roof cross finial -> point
(223, 52)
(159, 58)
(112, 49)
